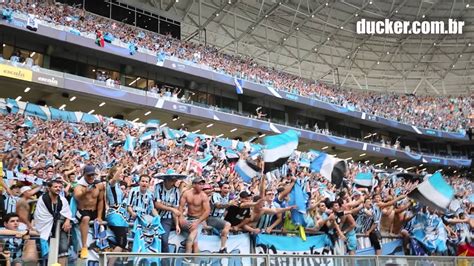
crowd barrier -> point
(280, 260)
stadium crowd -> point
(433, 112)
(95, 166)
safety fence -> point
(276, 260)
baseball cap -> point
(198, 180)
(244, 194)
(89, 170)
(24, 189)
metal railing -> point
(279, 259)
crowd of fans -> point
(92, 164)
(434, 112)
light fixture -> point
(366, 162)
(93, 70)
(342, 27)
(32, 54)
(347, 159)
(420, 165)
(220, 135)
(133, 82)
(460, 55)
(455, 171)
(423, 16)
(27, 89)
(348, 57)
(379, 164)
(62, 107)
(329, 38)
(394, 160)
(370, 2)
(175, 118)
(396, 11)
(454, 66)
(469, 44)
(253, 27)
(196, 131)
(233, 130)
(147, 113)
(395, 166)
(424, 169)
(72, 98)
(217, 14)
(4, 45)
(362, 155)
(135, 120)
(210, 125)
(324, 148)
(91, 111)
(467, 5)
(409, 168)
(297, 28)
(315, 49)
(266, 16)
(263, 135)
(327, 3)
(101, 104)
(312, 15)
(230, 2)
(18, 98)
(434, 44)
(164, 125)
(378, 62)
(388, 52)
(356, 14)
(284, 39)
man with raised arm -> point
(89, 195)
(198, 209)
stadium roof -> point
(316, 39)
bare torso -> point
(195, 202)
(88, 200)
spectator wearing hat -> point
(89, 195)
(198, 209)
(236, 214)
(167, 196)
(23, 205)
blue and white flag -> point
(239, 89)
(434, 192)
(275, 244)
(108, 37)
(146, 136)
(278, 149)
(246, 170)
(129, 144)
(299, 198)
(171, 133)
(364, 179)
(206, 160)
(231, 155)
(330, 167)
(147, 237)
(152, 124)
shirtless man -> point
(198, 206)
(344, 224)
(89, 196)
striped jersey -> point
(267, 219)
(10, 202)
(169, 197)
(217, 198)
(140, 203)
(365, 221)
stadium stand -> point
(434, 112)
(77, 186)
